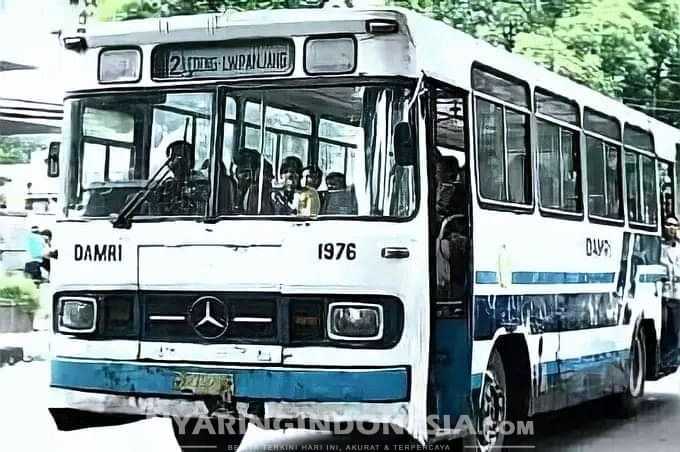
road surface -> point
(25, 425)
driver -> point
(183, 193)
(182, 160)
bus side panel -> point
(536, 318)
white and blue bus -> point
(348, 215)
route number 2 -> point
(337, 251)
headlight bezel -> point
(378, 308)
(114, 51)
(311, 64)
(62, 328)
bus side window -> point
(604, 160)
(504, 161)
(640, 171)
(559, 171)
(604, 179)
(502, 136)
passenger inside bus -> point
(312, 176)
(339, 199)
(126, 142)
(247, 164)
(452, 243)
(226, 198)
(612, 180)
(292, 198)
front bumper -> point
(375, 395)
(91, 402)
(157, 380)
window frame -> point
(618, 142)
(540, 91)
(333, 142)
(492, 204)
(510, 79)
(577, 156)
(107, 144)
(639, 153)
(277, 132)
(621, 189)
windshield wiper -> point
(123, 220)
(124, 217)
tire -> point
(491, 409)
(626, 404)
(207, 436)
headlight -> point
(77, 315)
(352, 321)
(119, 66)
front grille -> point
(168, 317)
(252, 318)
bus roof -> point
(451, 63)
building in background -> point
(31, 94)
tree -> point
(628, 49)
(17, 149)
(138, 9)
(657, 92)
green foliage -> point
(17, 149)
(139, 9)
(545, 48)
(21, 290)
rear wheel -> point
(626, 404)
(204, 432)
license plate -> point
(204, 384)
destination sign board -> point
(224, 59)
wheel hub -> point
(492, 411)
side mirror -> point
(53, 160)
(404, 145)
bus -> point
(350, 216)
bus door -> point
(450, 247)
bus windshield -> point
(323, 151)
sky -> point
(27, 38)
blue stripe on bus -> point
(580, 364)
(483, 277)
(652, 277)
(488, 277)
(379, 385)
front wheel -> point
(216, 434)
(626, 404)
(492, 410)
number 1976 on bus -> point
(337, 251)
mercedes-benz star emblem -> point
(208, 317)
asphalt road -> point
(25, 425)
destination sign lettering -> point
(230, 60)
